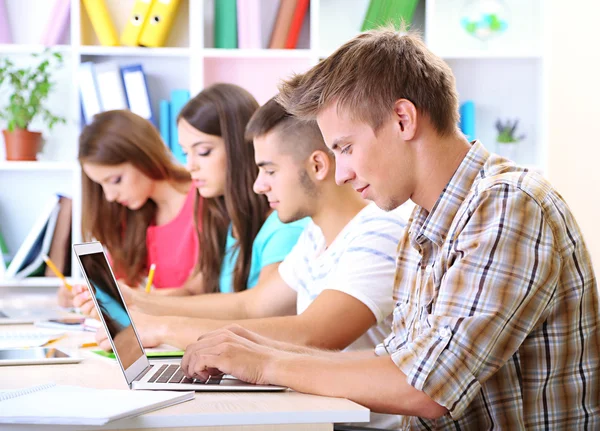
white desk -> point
(209, 411)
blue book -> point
(164, 120)
(178, 100)
(136, 91)
(467, 119)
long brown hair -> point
(113, 138)
(224, 110)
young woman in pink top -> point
(137, 202)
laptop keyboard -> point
(174, 374)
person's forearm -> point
(207, 306)
(374, 382)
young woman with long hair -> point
(137, 202)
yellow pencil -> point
(150, 277)
(56, 272)
(92, 344)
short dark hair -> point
(299, 137)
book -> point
(296, 24)
(383, 12)
(4, 255)
(136, 22)
(164, 121)
(150, 353)
(29, 258)
(58, 23)
(27, 338)
(178, 100)
(285, 13)
(225, 30)
(467, 119)
(248, 24)
(136, 91)
(88, 92)
(101, 22)
(73, 405)
(5, 36)
(159, 22)
(60, 247)
(109, 79)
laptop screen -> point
(126, 344)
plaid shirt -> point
(497, 313)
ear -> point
(406, 116)
(319, 165)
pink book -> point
(58, 22)
(248, 22)
(4, 29)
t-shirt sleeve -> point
(280, 241)
(289, 265)
(367, 267)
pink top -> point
(173, 247)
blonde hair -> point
(369, 73)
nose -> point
(343, 173)
(110, 195)
(190, 164)
(260, 186)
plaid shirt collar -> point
(435, 225)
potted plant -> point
(28, 89)
(507, 140)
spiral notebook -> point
(51, 404)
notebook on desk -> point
(139, 372)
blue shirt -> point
(272, 244)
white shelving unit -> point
(504, 79)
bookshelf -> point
(504, 78)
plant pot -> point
(22, 144)
(507, 150)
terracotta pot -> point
(21, 144)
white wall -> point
(574, 112)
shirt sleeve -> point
(367, 267)
(500, 275)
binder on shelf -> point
(371, 17)
(159, 23)
(382, 12)
(60, 247)
(467, 119)
(137, 20)
(109, 79)
(249, 24)
(296, 24)
(136, 91)
(101, 21)
(58, 22)
(5, 36)
(283, 21)
(164, 120)
(178, 100)
(4, 258)
(88, 91)
(226, 24)
(51, 404)
(29, 257)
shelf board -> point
(257, 53)
(16, 48)
(489, 55)
(37, 166)
(133, 51)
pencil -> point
(56, 272)
(150, 277)
(92, 344)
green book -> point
(384, 12)
(168, 354)
(226, 24)
(3, 250)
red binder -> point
(296, 24)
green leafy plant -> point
(29, 87)
(506, 132)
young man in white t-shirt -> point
(333, 290)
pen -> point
(56, 272)
(92, 344)
(150, 277)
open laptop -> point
(139, 372)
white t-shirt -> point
(360, 262)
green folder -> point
(154, 355)
(226, 24)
